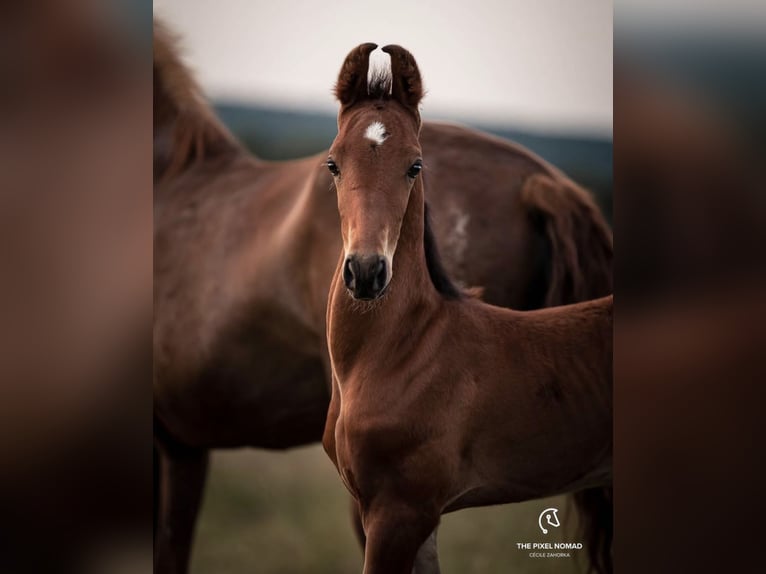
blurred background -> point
(75, 287)
(538, 73)
(690, 274)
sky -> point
(544, 65)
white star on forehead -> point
(376, 133)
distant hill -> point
(285, 134)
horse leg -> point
(597, 525)
(356, 522)
(183, 471)
(395, 533)
(427, 559)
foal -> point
(440, 401)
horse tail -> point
(595, 510)
(186, 129)
(579, 238)
(580, 268)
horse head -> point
(375, 161)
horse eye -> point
(414, 169)
(332, 167)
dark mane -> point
(436, 271)
(379, 85)
(186, 130)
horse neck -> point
(411, 299)
(411, 270)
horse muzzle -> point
(366, 276)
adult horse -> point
(440, 401)
(244, 255)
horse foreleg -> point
(395, 534)
(427, 559)
(356, 522)
(183, 472)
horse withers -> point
(440, 401)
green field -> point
(288, 513)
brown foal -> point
(441, 401)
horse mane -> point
(439, 277)
(186, 129)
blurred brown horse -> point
(440, 401)
(244, 255)
(76, 288)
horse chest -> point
(369, 431)
(375, 439)
(368, 456)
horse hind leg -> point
(183, 471)
(595, 509)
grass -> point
(285, 513)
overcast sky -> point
(533, 64)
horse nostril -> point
(348, 274)
(380, 274)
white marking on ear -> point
(379, 66)
(376, 133)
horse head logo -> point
(551, 519)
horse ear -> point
(406, 87)
(352, 79)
